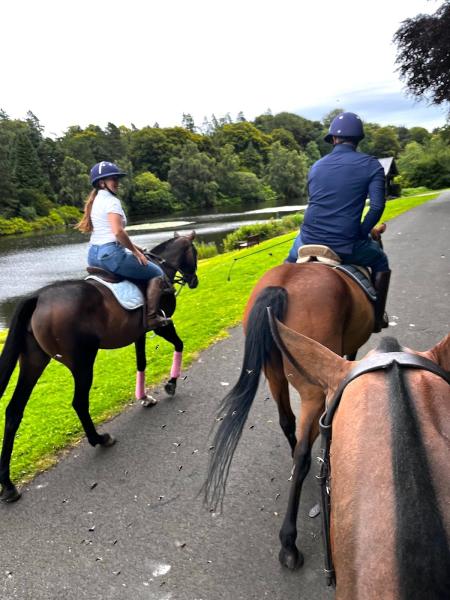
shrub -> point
(266, 230)
(206, 250)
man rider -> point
(338, 186)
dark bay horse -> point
(389, 477)
(323, 304)
(70, 321)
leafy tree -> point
(302, 129)
(8, 193)
(115, 144)
(330, 116)
(247, 141)
(312, 152)
(235, 183)
(286, 172)
(151, 195)
(27, 167)
(286, 139)
(385, 142)
(191, 178)
(188, 122)
(423, 54)
(74, 182)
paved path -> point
(125, 523)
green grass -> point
(202, 317)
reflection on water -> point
(28, 263)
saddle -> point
(108, 277)
(325, 255)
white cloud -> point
(141, 62)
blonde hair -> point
(85, 225)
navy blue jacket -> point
(338, 186)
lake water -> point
(30, 262)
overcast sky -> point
(142, 62)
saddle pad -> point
(127, 294)
(364, 282)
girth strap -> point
(376, 362)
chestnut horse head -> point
(390, 468)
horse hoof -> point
(9, 495)
(107, 440)
(291, 559)
(170, 388)
(148, 401)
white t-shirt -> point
(105, 203)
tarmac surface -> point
(127, 522)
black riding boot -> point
(381, 285)
(154, 290)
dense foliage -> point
(423, 45)
(189, 167)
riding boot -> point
(155, 288)
(381, 285)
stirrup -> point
(155, 321)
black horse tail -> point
(235, 407)
(14, 340)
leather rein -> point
(377, 362)
(180, 280)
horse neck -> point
(390, 489)
(172, 254)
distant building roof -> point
(389, 166)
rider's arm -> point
(377, 201)
(123, 238)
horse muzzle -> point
(193, 282)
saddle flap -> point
(105, 275)
(319, 253)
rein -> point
(180, 280)
(377, 362)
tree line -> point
(194, 167)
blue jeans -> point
(115, 258)
(367, 253)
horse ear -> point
(440, 353)
(176, 234)
(315, 362)
(192, 235)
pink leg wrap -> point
(176, 365)
(140, 385)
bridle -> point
(181, 280)
(376, 362)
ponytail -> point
(85, 225)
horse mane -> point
(422, 547)
(162, 246)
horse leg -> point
(169, 333)
(32, 363)
(279, 388)
(141, 365)
(311, 410)
(82, 371)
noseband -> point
(377, 362)
(183, 280)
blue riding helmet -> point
(346, 124)
(105, 169)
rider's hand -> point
(377, 231)
(141, 258)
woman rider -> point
(110, 247)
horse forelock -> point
(422, 545)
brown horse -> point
(70, 321)
(322, 303)
(390, 470)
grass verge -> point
(202, 317)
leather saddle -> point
(325, 255)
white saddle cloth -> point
(127, 294)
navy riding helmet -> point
(346, 124)
(105, 169)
